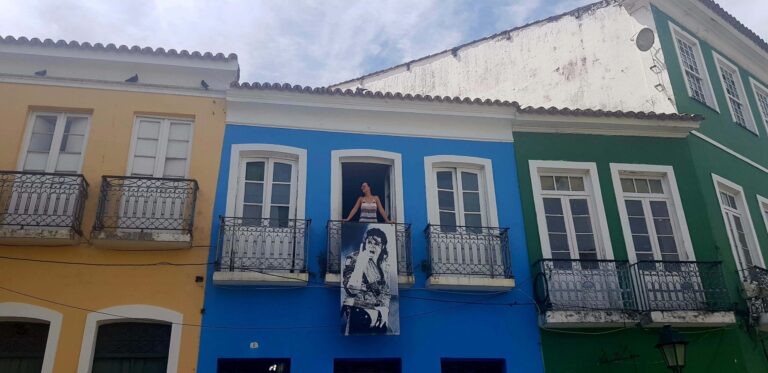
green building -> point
(630, 228)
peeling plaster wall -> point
(585, 59)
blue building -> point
(292, 166)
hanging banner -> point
(370, 304)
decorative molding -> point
(729, 151)
(668, 173)
(483, 164)
(728, 186)
(239, 151)
(367, 156)
(23, 312)
(589, 170)
(126, 313)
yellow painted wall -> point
(106, 153)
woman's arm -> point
(354, 209)
(382, 211)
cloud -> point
(312, 42)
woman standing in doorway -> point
(368, 204)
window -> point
(693, 67)
(460, 191)
(761, 96)
(570, 221)
(55, 142)
(22, 346)
(459, 198)
(763, 202)
(161, 147)
(734, 93)
(132, 347)
(651, 212)
(267, 189)
(738, 223)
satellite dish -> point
(645, 39)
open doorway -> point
(378, 177)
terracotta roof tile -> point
(715, 7)
(463, 100)
(113, 48)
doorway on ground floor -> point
(366, 366)
(472, 366)
(260, 365)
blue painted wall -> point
(303, 323)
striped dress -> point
(368, 212)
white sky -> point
(311, 42)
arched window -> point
(129, 347)
(22, 346)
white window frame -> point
(761, 89)
(486, 185)
(458, 190)
(721, 64)
(162, 142)
(53, 156)
(392, 159)
(266, 203)
(12, 311)
(587, 170)
(128, 313)
(240, 152)
(679, 223)
(704, 72)
(763, 203)
(725, 185)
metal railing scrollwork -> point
(468, 251)
(38, 199)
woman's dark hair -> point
(378, 233)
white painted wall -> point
(584, 61)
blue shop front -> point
(356, 232)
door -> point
(669, 281)
(160, 153)
(55, 145)
(268, 235)
(463, 241)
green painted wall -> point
(605, 350)
(717, 125)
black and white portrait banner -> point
(370, 303)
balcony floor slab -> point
(141, 240)
(588, 319)
(260, 278)
(38, 236)
(691, 319)
(469, 283)
(403, 281)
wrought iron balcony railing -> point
(680, 286)
(262, 245)
(468, 251)
(403, 245)
(755, 288)
(37, 199)
(146, 204)
(584, 285)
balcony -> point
(755, 288)
(584, 293)
(468, 258)
(682, 293)
(144, 213)
(403, 245)
(262, 252)
(41, 208)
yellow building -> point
(108, 155)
